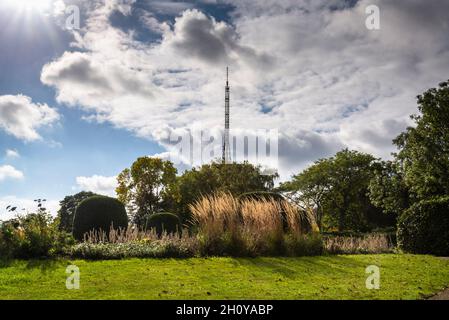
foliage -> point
(125, 235)
(147, 187)
(420, 170)
(99, 213)
(10, 239)
(34, 235)
(164, 222)
(337, 189)
(68, 205)
(225, 225)
(416, 183)
(304, 245)
(387, 189)
(228, 226)
(308, 225)
(374, 243)
(424, 148)
(234, 178)
(164, 248)
(424, 227)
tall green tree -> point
(420, 169)
(147, 187)
(337, 188)
(424, 161)
(424, 148)
(67, 209)
(235, 178)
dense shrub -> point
(424, 227)
(10, 239)
(32, 236)
(164, 222)
(99, 213)
(38, 235)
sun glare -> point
(37, 5)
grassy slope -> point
(332, 277)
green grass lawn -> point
(324, 277)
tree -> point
(68, 205)
(387, 189)
(235, 178)
(424, 148)
(337, 188)
(310, 188)
(147, 187)
(424, 161)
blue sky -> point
(77, 106)
(70, 148)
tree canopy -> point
(337, 187)
(67, 209)
(147, 187)
(420, 169)
(387, 189)
(235, 178)
(424, 148)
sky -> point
(80, 102)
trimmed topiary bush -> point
(424, 228)
(99, 213)
(164, 221)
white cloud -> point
(22, 118)
(152, 23)
(98, 184)
(9, 172)
(308, 68)
(10, 153)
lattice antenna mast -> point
(226, 156)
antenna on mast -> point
(226, 152)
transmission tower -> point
(226, 155)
